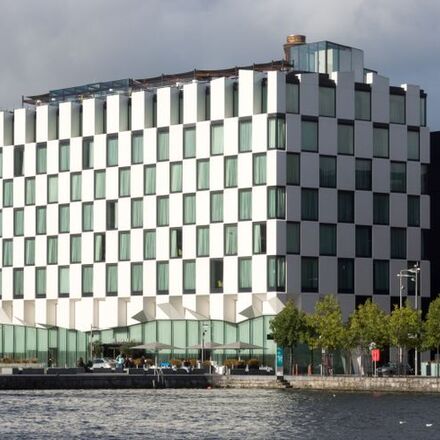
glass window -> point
(216, 275)
(18, 283)
(413, 145)
(245, 204)
(87, 153)
(309, 204)
(345, 275)
(292, 98)
(18, 222)
(216, 139)
(75, 249)
(41, 158)
(189, 276)
(230, 172)
(52, 189)
(276, 274)
(112, 150)
(63, 281)
(111, 214)
(363, 174)
(327, 171)
(216, 206)
(63, 218)
(137, 278)
(244, 274)
(1, 175)
(150, 179)
(52, 250)
(75, 187)
(40, 282)
(99, 184)
(99, 247)
(189, 209)
(203, 174)
(124, 182)
(87, 280)
(111, 280)
(87, 217)
(189, 142)
(398, 176)
(258, 239)
(176, 243)
(259, 169)
(235, 98)
(18, 160)
(397, 109)
(137, 213)
(345, 139)
(381, 209)
(423, 111)
(8, 193)
(293, 237)
(163, 140)
(29, 251)
(245, 135)
(137, 147)
(381, 141)
(309, 274)
(327, 101)
(7, 253)
(346, 206)
(276, 133)
(40, 218)
(362, 105)
(381, 277)
(230, 239)
(292, 169)
(327, 239)
(149, 245)
(363, 241)
(162, 277)
(162, 211)
(203, 241)
(1, 223)
(276, 202)
(29, 190)
(309, 135)
(64, 157)
(176, 177)
(264, 95)
(413, 211)
(124, 246)
(424, 178)
(398, 243)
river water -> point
(217, 414)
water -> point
(216, 414)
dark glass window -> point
(363, 174)
(346, 206)
(309, 204)
(327, 239)
(398, 243)
(345, 138)
(381, 209)
(363, 241)
(309, 274)
(398, 176)
(381, 277)
(327, 171)
(345, 275)
(217, 275)
(413, 211)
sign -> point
(280, 361)
(375, 355)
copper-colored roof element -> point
(292, 40)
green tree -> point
(431, 327)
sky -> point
(51, 44)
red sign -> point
(375, 355)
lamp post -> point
(416, 271)
(92, 327)
(204, 331)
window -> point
(18, 160)
(124, 182)
(207, 103)
(52, 250)
(363, 241)
(397, 108)
(189, 209)
(29, 251)
(163, 140)
(189, 276)
(259, 169)
(75, 187)
(309, 135)
(244, 274)
(162, 277)
(292, 98)
(40, 220)
(41, 158)
(87, 280)
(276, 274)
(112, 150)
(63, 282)
(216, 206)
(259, 238)
(309, 204)
(345, 275)
(7, 253)
(309, 274)
(244, 135)
(52, 189)
(87, 153)
(346, 206)
(327, 101)
(99, 247)
(18, 283)
(75, 249)
(216, 277)
(293, 237)
(381, 277)
(363, 174)
(345, 138)
(162, 211)
(64, 156)
(63, 218)
(230, 239)
(176, 177)
(381, 141)
(362, 105)
(231, 172)
(124, 246)
(398, 176)
(327, 171)
(1, 175)
(202, 241)
(40, 282)
(29, 191)
(424, 178)
(1, 228)
(203, 174)
(149, 245)
(176, 243)
(413, 211)
(413, 145)
(150, 179)
(18, 222)
(111, 214)
(276, 202)
(381, 209)
(180, 108)
(111, 280)
(398, 243)
(235, 98)
(87, 217)
(137, 213)
(99, 184)
(216, 139)
(264, 95)
(276, 132)
(189, 142)
(292, 169)
(327, 239)
(137, 147)
(245, 204)
(137, 278)
(423, 111)
(8, 193)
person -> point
(80, 363)
(49, 362)
(120, 362)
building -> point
(153, 208)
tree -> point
(431, 328)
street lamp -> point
(92, 327)
(416, 271)
(205, 327)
